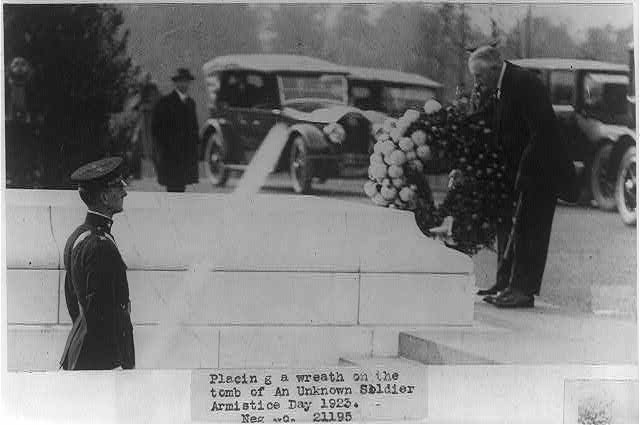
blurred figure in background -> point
(149, 95)
(175, 134)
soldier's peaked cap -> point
(98, 173)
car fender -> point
(313, 136)
(210, 124)
(597, 132)
(617, 152)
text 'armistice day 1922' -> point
(341, 394)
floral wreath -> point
(479, 195)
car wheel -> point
(215, 169)
(626, 187)
(602, 187)
(300, 165)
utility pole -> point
(495, 31)
(527, 34)
(462, 62)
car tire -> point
(215, 169)
(626, 187)
(300, 166)
(602, 188)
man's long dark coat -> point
(536, 151)
(175, 133)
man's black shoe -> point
(492, 298)
(514, 299)
(494, 290)
(489, 299)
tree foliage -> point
(81, 75)
(298, 29)
(607, 44)
(165, 37)
(353, 38)
(554, 40)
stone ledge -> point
(32, 296)
(239, 298)
(38, 348)
(164, 232)
(412, 299)
(29, 240)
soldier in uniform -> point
(96, 287)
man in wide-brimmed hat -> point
(175, 133)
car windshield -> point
(295, 88)
(399, 99)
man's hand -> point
(456, 178)
(443, 232)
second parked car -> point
(590, 100)
(389, 91)
(250, 94)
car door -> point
(237, 113)
(562, 90)
(263, 97)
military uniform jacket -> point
(97, 297)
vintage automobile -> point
(389, 91)
(625, 190)
(590, 100)
(249, 94)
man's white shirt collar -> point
(183, 97)
(101, 215)
(499, 91)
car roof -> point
(272, 63)
(391, 76)
(569, 64)
(609, 78)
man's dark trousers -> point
(503, 273)
(178, 188)
(524, 268)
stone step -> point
(614, 300)
(387, 362)
(39, 347)
(36, 296)
(543, 335)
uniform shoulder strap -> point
(80, 234)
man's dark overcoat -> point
(175, 133)
(536, 151)
(97, 297)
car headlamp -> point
(335, 132)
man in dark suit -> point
(538, 165)
(96, 287)
(175, 133)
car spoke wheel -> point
(602, 187)
(300, 166)
(626, 187)
(216, 170)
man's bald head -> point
(485, 64)
(487, 54)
